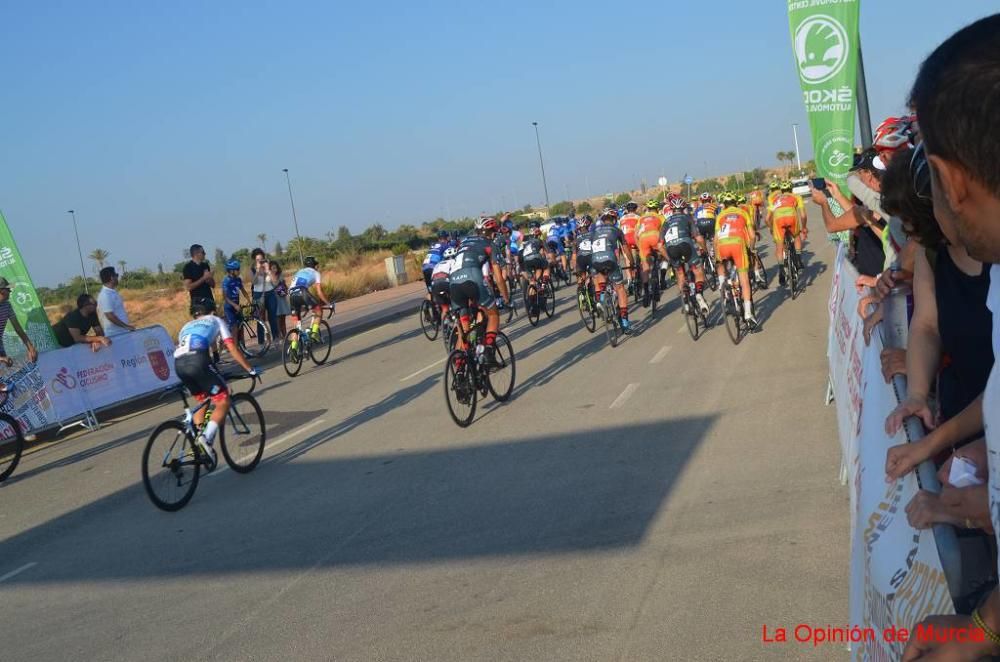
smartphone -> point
(819, 184)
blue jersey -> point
(434, 254)
(305, 278)
(199, 334)
(516, 237)
(231, 286)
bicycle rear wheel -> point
(550, 298)
(733, 315)
(322, 344)
(586, 311)
(428, 323)
(243, 433)
(531, 304)
(611, 324)
(291, 353)
(170, 466)
(252, 342)
(460, 390)
(500, 380)
(11, 445)
(690, 309)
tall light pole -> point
(83, 270)
(795, 136)
(542, 164)
(295, 218)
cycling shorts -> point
(630, 241)
(683, 251)
(556, 246)
(440, 289)
(232, 316)
(611, 269)
(706, 228)
(427, 277)
(790, 223)
(299, 298)
(735, 250)
(200, 376)
(469, 291)
(647, 244)
(534, 262)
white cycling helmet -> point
(450, 252)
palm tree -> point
(262, 238)
(121, 266)
(99, 255)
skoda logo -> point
(821, 48)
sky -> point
(166, 124)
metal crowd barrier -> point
(894, 331)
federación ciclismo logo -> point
(821, 48)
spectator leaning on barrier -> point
(110, 307)
(957, 97)
(76, 324)
(198, 279)
(7, 315)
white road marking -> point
(624, 396)
(277, 442)
(412, 375)
(660, 354)
(14, 573)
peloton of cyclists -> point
(683, 244)
(608, 245)
(469, 286)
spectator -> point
(110, 307)
(232, 288)
(957, 97)
(263, 289)
(283, 307)
(198, 279)
(7, 315)
(76, 324)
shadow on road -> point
(592, 490)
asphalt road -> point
(663, 500)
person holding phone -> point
(262, 289)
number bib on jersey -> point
(673, 233)
(599, 245)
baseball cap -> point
(4, 285)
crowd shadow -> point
(591, 490)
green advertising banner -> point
(825, 44)
(23, 298)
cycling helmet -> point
(233, 265)
(442, 234)
(450, 252)
(536, 231)
(652, 205)
(609, 213)
(454, 235)
(786, 186)
(488, 224)
(584, 222)
(677, 202)
(773, 186)
(705, 197)
(631, 206)
(893, 133)
(727, 198)
(742, 199)
(202, 306)
(310, 262)
(588, 218)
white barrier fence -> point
(72, 383)
(896, 574)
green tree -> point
(99, 255)
(219, 261)
(622, 198)
(758, 176)
(374, 233)
(262, 238)
(159, 268)
(121, 266)
(584, 207)
(561, 208)
(344, 235)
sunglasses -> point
(920, 173)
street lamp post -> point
(545, 186)
(795, 136)
(83, 270)
(295, 218)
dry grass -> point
(350, 275)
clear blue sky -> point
(164, 124)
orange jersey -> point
(649, 224)
(627, 225)
(786, 204)
(733, 223)
(748, 208)
(756, 198)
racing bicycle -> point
(253, 334)
(791, 265)
(430, 319)
(538, 297)
(468, 377)
(172, 460)
(314, 340)
(11, 436)
(732, 304)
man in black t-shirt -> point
(76, 324)
(198, 279)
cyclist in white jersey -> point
(305, 290)
(198, 373)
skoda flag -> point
(23, 298)
(825, 44)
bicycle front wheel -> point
(460, 390)
(691, 316)
(243, 434)
(322, 344)
(255, 339)
(428, 324)
(11, 445)
(550, 299)
(732, 313)
(586, 311)
(611, 324)
(170, 466)
(291, 353)
(501, 379)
